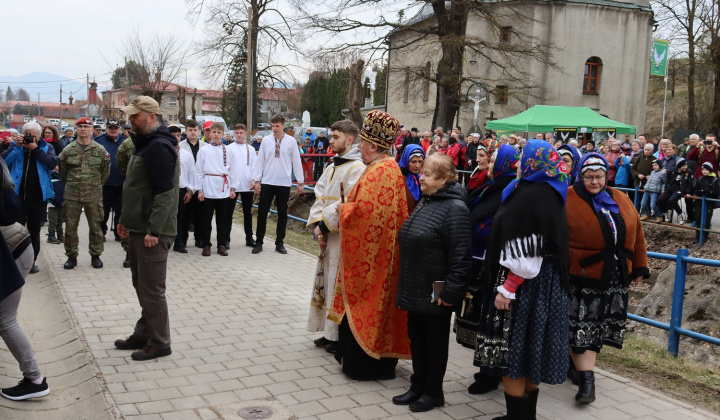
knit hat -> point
(708, 166)
(681, 162)
(380, 128)
(594, 162)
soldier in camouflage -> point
(124, 153)
(84, 168)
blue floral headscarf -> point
(594, 161)
(565, 148)
(506, 161)
(413, 180)
(540, 162)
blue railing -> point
(682, 259)
(703, 213)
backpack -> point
(702, 149)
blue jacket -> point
(112, 148)
(623, 176)
(46, 160)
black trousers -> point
(112, 200)
(429, 338)
(180, 222)
(668, 200)
(191, 216)
(281, 196)
(32, 215)
(690, 209)
(247, 200)
(218, 206)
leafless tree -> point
(442, 22)
(160, 59)
(680, 22)
(226, 24)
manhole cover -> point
(255, 412)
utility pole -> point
(61, 121)
(249, 72)
(87, 91)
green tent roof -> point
(547, 118)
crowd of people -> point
(405, 239)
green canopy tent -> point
(547, 118)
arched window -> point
(591, 79)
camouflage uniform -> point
(124, 153)
(84, 172)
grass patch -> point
(652, 366)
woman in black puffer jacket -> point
(434, 246)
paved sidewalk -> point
(239, 339)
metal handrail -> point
(682, 259)
(703, 211)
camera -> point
(28, 138)
(707, 142)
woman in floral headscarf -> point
(485, 149)
(571, 157)
(483, 204)
(410, 164)
(523, 328)
(607, 252)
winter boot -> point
(532, 404)
(586, 391)
(517, 408)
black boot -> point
(484, 384)
(532, 404)
(126, 263)
(517, 408)
(70, 263)
(586, 393)
(95, 261)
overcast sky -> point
(73, 38)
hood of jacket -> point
(142, 141)
(352, 154)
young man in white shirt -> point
(186, 183)
(193, 212)
(214, 184)
(278, 160)
(244, 157)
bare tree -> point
(682, 26)
(355, 97)
(160, 60)
(710, 39)
(226, 23)
(441, 22)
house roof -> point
(276, 94)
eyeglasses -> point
(598, 178)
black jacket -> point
(686, 181)
(706, 186)
(435, 246)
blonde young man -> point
(244, 159)
(346, 169)
(214, 184)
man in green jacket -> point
(149, 219)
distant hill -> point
(47, 85)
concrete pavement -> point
(239, 340)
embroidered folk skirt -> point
(598, 317)
(530, 339)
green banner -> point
(659, 58)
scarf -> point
(572, 151)
(540, 163)
(595, 161)
(413, 180)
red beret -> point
(84, 120)
(207, 125)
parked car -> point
(263, 126)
